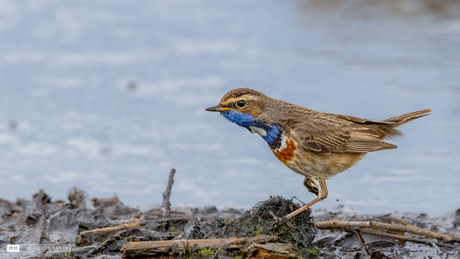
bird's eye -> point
(241, 103)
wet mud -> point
(106, 228)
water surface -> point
(110, 95)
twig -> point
(395, 236)
(399, 221)
(133, 225)
(100, 247)
(166, 206)
(109, 230)
(350, 225)
(6, 229)
(361, 239)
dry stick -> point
(361, 239)
(101, 246)
(396, 236)
(399, 221)
(116, 229)
(133, 225)
(166, 204)
(385, 226)
(257, 247)
(6, 229)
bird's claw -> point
(280, 221)
(284, 220)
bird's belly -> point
(310, 164)
(323, 166)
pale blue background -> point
(65, 67)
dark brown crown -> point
(240, 92)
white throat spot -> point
(284, 140)
(259, 131)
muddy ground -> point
(106, 228)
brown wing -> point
(330, 133)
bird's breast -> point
(285, 152)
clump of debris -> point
(106, 228)
(261, 223)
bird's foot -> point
(280, 221)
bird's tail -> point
(400, 120)
(387, 128)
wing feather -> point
(325, 133)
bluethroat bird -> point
(314, 144)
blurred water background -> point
(110, 95)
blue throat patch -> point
(245, 120)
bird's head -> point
(241, 106)
(247, 108)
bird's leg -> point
(322, 194)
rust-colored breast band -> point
(286, 154)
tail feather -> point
(399, 120)
(388, 130)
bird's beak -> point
(217, 108)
